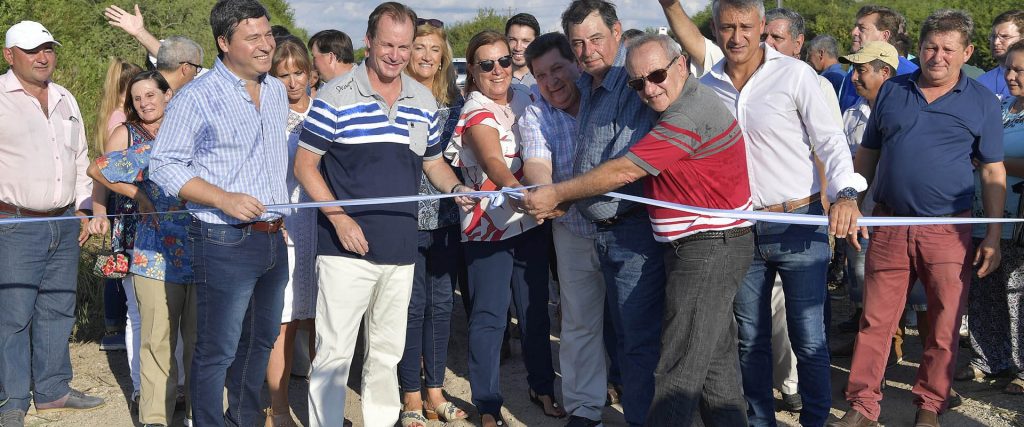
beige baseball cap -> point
(28, 35)
(871, 51)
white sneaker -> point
(964, 332)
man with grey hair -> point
(911, 144)
(179, 61)
(778, 102)
(823, 55)
(708, 256)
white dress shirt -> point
(784, 117)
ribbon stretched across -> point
(785, 218)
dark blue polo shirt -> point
(926, 149)
(371, 149)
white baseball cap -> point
(28, 35)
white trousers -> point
(352, 290)
(783, 359)
(132, 332)
(581, 354)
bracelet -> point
(454, 187)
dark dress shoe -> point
(854, 418)
(578, 421)
(926, 418)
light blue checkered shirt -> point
(612, 118)
(550, 134)
(212, 131)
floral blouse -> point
(122, 226)
(439, 213)
(161, 252)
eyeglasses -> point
(199, 68)
(488, 65)
(436, 23)
(655, 77)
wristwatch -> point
(847, 193)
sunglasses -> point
(436, 23)
(199, 68)
(488, 65)
(655, 77)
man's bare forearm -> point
(607, 177)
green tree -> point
(461, 32)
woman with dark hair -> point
(437, 258)
(292, 66)
(161, 270)
(502, 245)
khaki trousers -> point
(165, 309)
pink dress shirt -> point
(43, 157)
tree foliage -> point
(88, 41)
(836, 18)
(461, 32)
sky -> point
(350, 16)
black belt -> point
(712, 235)
(608, 222)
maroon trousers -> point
(940, 255)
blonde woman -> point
(437, 258)
(291, 64)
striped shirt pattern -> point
(213, 131)
(696, 157)
(550, 134)
(372, 149)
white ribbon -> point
(497, 198)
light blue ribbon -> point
(497, 198)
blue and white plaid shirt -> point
(550, 134)
(612, 118)
(213, 131)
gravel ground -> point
(106, 375)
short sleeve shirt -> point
(371, 149)
(924, 168)
(486, 222)
(696, 157)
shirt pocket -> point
(72, 133)
(418, 134)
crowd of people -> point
(680, 316)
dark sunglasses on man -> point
(655, 77)
(436, 23)
(488, 65)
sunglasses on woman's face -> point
(436, 23)
(656, 77)
(488, 65)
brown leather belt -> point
(792, 205)
(712, 235)
(16, 211)
(270, 227)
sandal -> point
(446, 412)
(412, 418)
(1015, 387)
(535, 398)
(278, 420)
(969, 373)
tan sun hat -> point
(871, 51)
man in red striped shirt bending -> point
(694, 156)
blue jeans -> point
(800, 254)
(430, 309)
(240, 277)
(38, 281)
(523, 261)
(634, 273)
